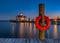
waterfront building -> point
(21, 17)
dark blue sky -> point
(10, 8)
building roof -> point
(21, 15)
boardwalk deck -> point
(24, 40)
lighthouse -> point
(20, 17)
(21, 25)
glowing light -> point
(55, 32)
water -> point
(27, 30)
(5, 29)
(8, 29)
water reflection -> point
(21, 30)
(29, 30)
(34, 30)
(13, 29)
(55, 32)
(48, 33)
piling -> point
(41, 13)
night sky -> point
(9, 9)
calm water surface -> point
(8, 30)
